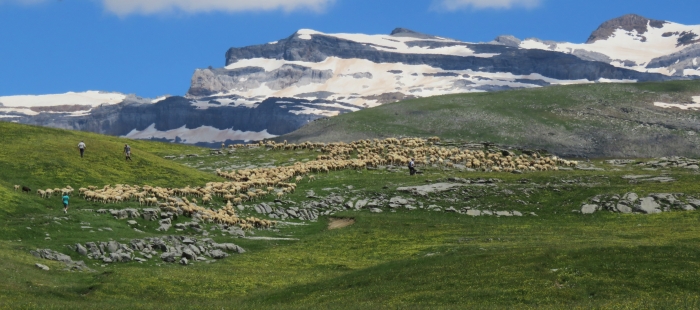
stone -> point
(410, 207)
(168, 257)
(42, 267)
(188, 241)
(236, 231)
(81, 249)
(398, 201)
(424, 190)
(228, 247)
(692, 167)
(451, 209)
(184, 261)
(140, 260)
(189, 254)
(218, 254)
(360, 204)
(623, 208)
(375, 210)
(112, 246)
(150, 214)
(631, 197)
(163, 227)
(517, 213)
(648, 205)
(131, 223)
(688, 208)
(694, 202)
(503, 213)
(486, 212)
(474, 212)
(589, 209)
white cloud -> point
(452, 5)
(126, 7)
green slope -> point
(40, 157)
(408, 260)
(595, 120)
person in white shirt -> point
(81, 147)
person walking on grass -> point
(65, 203)
(412, 166)
(81, 147)
(127, 151)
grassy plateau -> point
(550, 258)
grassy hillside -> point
(417, 259)
(596, 120)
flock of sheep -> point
(252, 184)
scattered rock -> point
(589, 209)
(42, 267)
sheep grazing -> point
(17, 187)
(26, 189)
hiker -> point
(412, 166)
(65, 202)
(127, 151)
(81, 147)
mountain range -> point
(272, 89)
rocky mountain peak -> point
(403, 32)
(627, 22)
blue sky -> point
(56, 46)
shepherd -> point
(81, 147)
(127, 151)
(412, 166)
(65, 202)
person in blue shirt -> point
(65, 203)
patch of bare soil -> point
(337, 223)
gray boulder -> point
(623, 208)
(589, 209)
(218, 254)
(688, 208)
(648, 205)
(150, 214)
(42, 267)
(474, 212)
(184, 261)
(168, 257)
(375, 210)
(81, 249)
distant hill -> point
(601, 120)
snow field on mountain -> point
(628, 45)
(206, 134)
(396, 44)
(91, 98)
(416, 80)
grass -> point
(594, 120)
(405, 259)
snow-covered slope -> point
(636, 43)
(71, 103)
(369, 70)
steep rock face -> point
(207, 82)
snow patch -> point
(683, 106)
(159, 99)
(205, 134)
(91, 98)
